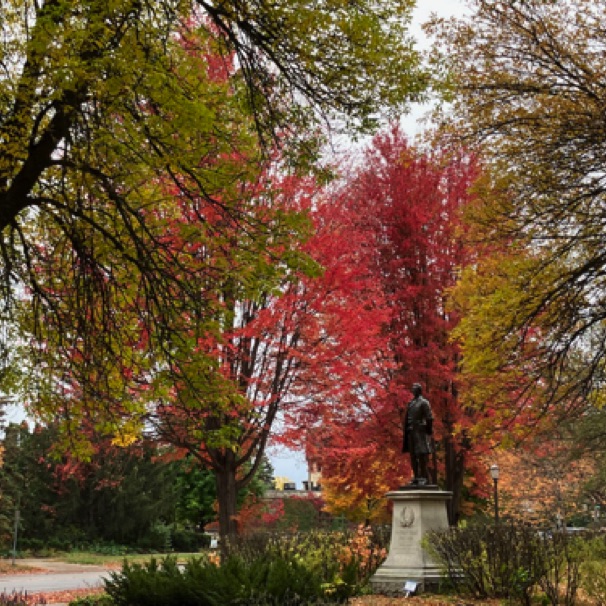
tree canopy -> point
(142, 243)
(387, 237)
(101, 103)
(527, 89)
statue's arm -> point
(428, 419)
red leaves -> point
(387, 239)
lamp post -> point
(494, 472)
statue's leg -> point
(414, 461)
(423, 466)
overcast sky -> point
(292, 464)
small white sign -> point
(214, 543)
(410, 587)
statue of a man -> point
(418, 426)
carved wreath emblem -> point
(407, 517)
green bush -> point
(343, 561)
(108, 549)
(158, 538)
(198, 583)
(159, 584)
(563, 555)
(34, 546)
(594, 582)
(186, 540)
(265, 570)
(593, 579)
(93, 600)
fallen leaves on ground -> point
(8, 568)
(425, 600)
(65, 597)
(61, 597)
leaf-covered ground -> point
(64, 597)
(425, 600)
(60, 597)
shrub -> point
(199, 583)
(361, 557)
(343, 561)
(508, 561)
(20, 598)
(560, 580)
(315, 568)
(594, 582)
(593, 579)
(184, 539)
(100, 599)
(35, 546)
(160, 584)
(158, 538)
(489, 561)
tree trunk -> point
(227, 493)
(454, 463)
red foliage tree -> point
(388, 240)
(202, 351)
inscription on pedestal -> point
(404, 541)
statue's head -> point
(417, 390)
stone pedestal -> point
(415, 512)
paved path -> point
(53, 576)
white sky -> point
(291, 464)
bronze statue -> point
(418, 426)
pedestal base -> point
(415, 512)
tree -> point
(527, 91)
(356, 479)
(541, 484)
(93, 94)
(129, 133)
(64, 501)
(391, 255)
(231, 361)
(585, 446)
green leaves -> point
(353, 58)
(143, 229)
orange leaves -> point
(540, 484)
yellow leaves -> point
(127, 433)
(358, 499)
(124, 439)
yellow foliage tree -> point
(363, 499)
(526, 84)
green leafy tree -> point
(128, 132)
(63, 501)
(16, 484)
(92, 95)
(196, 505)
(527, 89)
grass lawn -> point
(111, 560)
